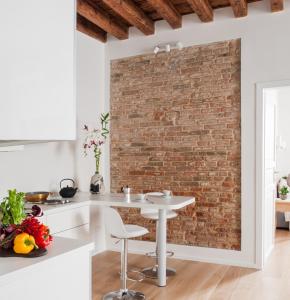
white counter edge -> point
(72, 246)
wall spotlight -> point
(179, 45)
(168, 47)
(156, 50)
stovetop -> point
(56, 201)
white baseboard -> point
(97, 251)
(200, 254)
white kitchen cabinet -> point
(64, 273)
(79, 233)
(37, 85)
(68, 219)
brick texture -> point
(175, 124)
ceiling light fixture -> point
(168, 47)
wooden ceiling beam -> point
(132, 14)
(203, 9)
(277, 5)
(90, 29)
(240, 8)
(100, 18)
(168, 12)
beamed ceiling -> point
(98, 18)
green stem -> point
(97, 157)
(30, 242)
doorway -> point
(272, 153)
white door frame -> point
(260, 165)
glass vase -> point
(97, 181)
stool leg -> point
(124, 261)
(162, 247)
(124, 293)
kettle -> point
(67, 192)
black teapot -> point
(68, 191)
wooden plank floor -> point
(202, 281)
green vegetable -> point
(12, 208)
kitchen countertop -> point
(11, 266)
(156, 202)
(87, 199)
(79, 200)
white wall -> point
(283, 117)
(265, 57)
(90, 101)
(38, 167)
(90, 104)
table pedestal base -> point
(152, 272)
(124, 295)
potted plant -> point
(284, 190)
(94, 140)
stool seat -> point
(133, 231)
(170, 214)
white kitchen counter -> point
(64, 273)
(159, 203)
(63, 218)
(87, 199)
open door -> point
(266, 112)
(270, 98)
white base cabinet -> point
(71, 223)
(64, 273)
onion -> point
(36, 211)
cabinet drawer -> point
(68, 219)
(79, 233)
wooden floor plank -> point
(202, 281)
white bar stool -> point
(115, 226)
(152, 214)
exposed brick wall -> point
(176, 125)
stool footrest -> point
(154, 254)
(137, 272)
(151, 254)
